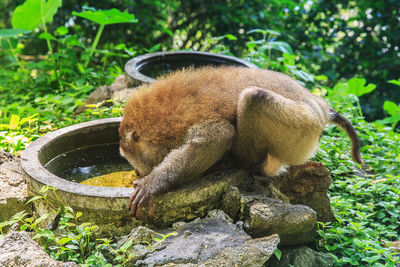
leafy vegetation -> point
(51, 63)
(74, 241)
(339, 39)
(366, 206)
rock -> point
(231, 202)
(100, 95)
(121, 89)
(295, 224)
(118, 91)
(13, 189)
(140, 236)
(254, 252)
(213, 241)
(308, 185)
(301, 257)
(119, 84)
(198, 198)
(122, 95)
(18, 249)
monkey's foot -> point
(140, 197)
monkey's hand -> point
(140, 197)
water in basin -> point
(87, 162)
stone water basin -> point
(146, 68)
(64, 158)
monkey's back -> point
(162, 113)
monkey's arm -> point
(203, 146)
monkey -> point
(186, 122)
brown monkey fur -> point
(184, 123)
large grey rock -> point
(301, 257)
(18, 249)
(213, 241)
(295, 224)
(305, 184)
(308, 184)
(13, 189)
(194, 200)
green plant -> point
(33, 13)
(269, 53)
(355, 87)
(7, 34)
(103, 18)
(12, 138)
(123, 255)
(74, 240)
(55, 84)
(365, 206)
(394, 111)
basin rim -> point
(131, 67)
(34, 171)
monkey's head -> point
(140, 153)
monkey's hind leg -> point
(278, 130)
(203, 146)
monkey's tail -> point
(346, 125)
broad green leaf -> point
(45, 233)
(280, 46)
(321, 78)
(24, 227)
(47, 36)
(8, 33)
(33, 199)
(358, 88)
(251, 45)
(391, 119)
(257, 31)
(230, 37)
(19, 215)
(154, 48)
(339, 89)
(33, 13)
(391, 108)
(302, 75)
(126, 245)
(396, 82)
(29, 119)
(62, 30)
(278, 254)
(64, 240)
(289, 59)
(106, 17)
(41, 218)
(271, 32)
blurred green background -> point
(338, 39)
